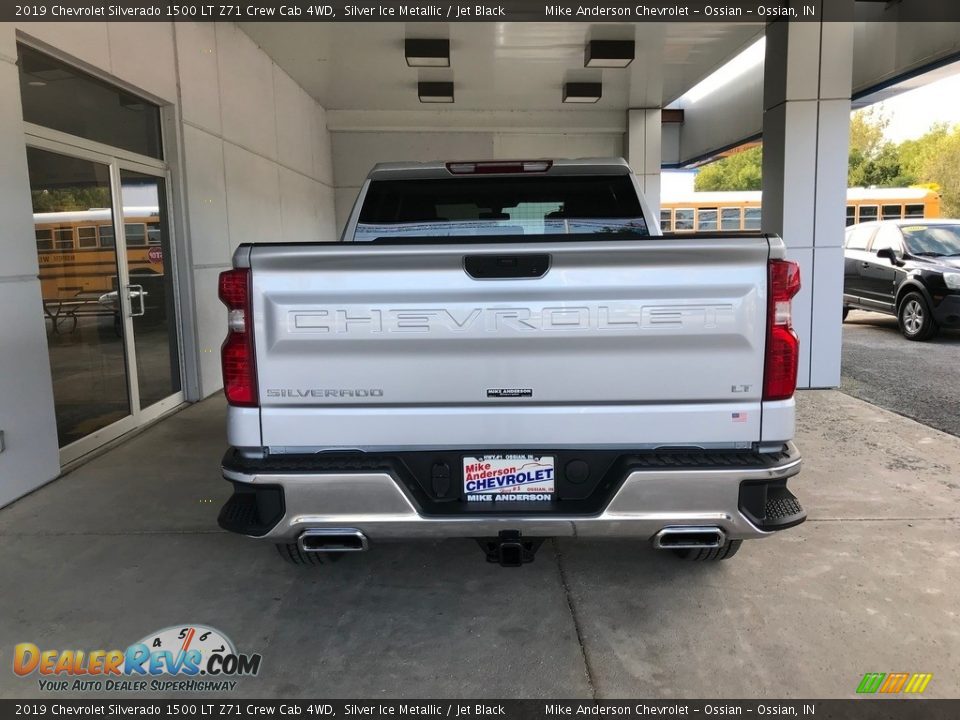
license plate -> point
(508, 478)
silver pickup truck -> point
(510, 351)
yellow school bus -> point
(77, 250)
(78, 262)
(732, 211)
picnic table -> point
(64, 312)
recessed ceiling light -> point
(608, 53)
(427, 52)
(435, 92)
(582, 92)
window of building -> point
(666, 220)
(63, 98)
(751, 218)
(730, 219)
(683, 219)
(87, 237)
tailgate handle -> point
(492, 267)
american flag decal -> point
(738, 417)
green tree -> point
(70, 198)
(873, 160)
(867, 128)
(740, 171)
(934, 158)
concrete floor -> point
(128, 544)
(916, 379)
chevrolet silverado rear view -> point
(510, 351)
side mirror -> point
(890, 254)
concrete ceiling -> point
(496, 66)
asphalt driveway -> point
(919, 380)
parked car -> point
(906, 268)
(510, 351)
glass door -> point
(80, 274)
(108, 291)
(150, 286)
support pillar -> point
(643, 152)
(806, 129)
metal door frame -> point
(116, 160)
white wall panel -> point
(354, 154)
(253, 196)
(19, 252)
(247, 106)
(211, 328)
(206, 197)
(31, 457)
(557, 145)
(344, 198)
(142, 53)
(86, 41)
(327, 212)
(320, 136)
(8, 42)
(199, 76)
(827, 333)
(294, 123)
(803, 310)
(298, 208)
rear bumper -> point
(743, 494)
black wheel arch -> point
(908, 286)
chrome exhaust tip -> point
(687, 537)
(332, 540)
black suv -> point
(906, 268)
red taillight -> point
(783, 348)
(236, 355)
(499, 167)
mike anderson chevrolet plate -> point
(508, 478)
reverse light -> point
(236, 354)
(783, 348)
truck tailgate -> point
(643, 343)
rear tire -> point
(292, 553)
(915, 319)
(710, 554)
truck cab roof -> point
(440, 169)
